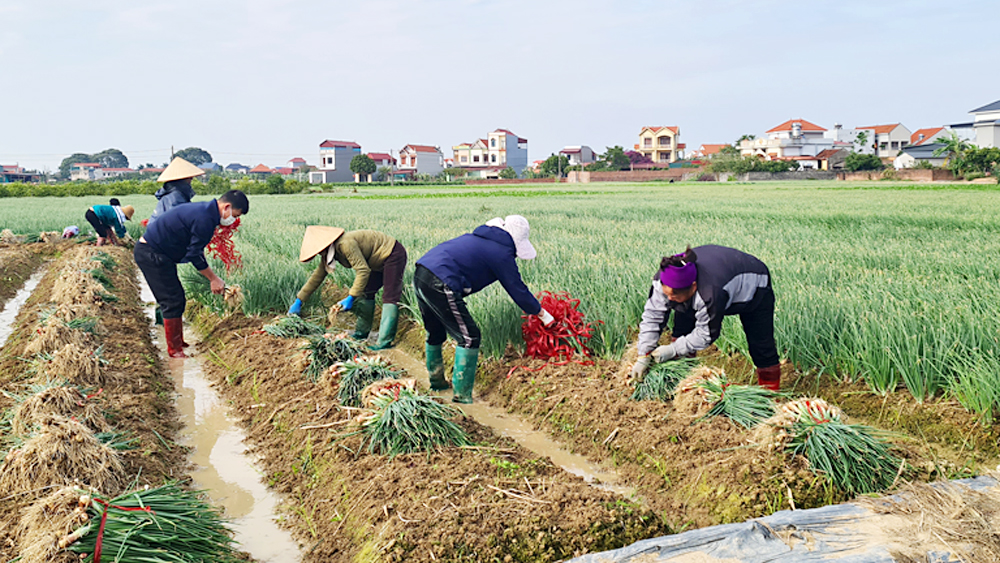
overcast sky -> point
(258, 81)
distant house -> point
(849, 139)
(422, 159)
(499, 149)
(210, 167)
(661, 144)
(284, 170)
(832, 159)
(382, 159)
(335, 162)
(887, 140)
(578, 155)
(929, 135)
(115, 172)
(237, 168)
(15, 173)
(984, 129)
(296, 163)
(92, 171)
(707, 150)
(910, 156)
(260, 171)
(795, 139)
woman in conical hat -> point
(377, 260)
(176, 190)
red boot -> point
(174, 330)
(770, 377)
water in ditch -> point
(221, 464)
(13, 307)
(519, 430)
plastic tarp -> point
(845, 533)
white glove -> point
(640, 367)
(664, 353)
(546, 317)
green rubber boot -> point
(435, 367)
(364, 309)
(463, 377)
(159, 316)
(387, 326)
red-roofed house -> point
(579, 155)
(335, 162)
(93, 171)
(470, 155)
(661, 144)
(929, 135)
(382, 159)
(15, 173)
(260, 170)
(422, 159)
(297, 162)
(795, 139)
(888, 140)
(707, 150)
(284, 170)
(499, 149)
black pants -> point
(391, 277)
(100, 228)
(758, 325)
(444, 312)
(161, 275)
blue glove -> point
(347, 303)
(296, 307)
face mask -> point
(227, 221)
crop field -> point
(888, 308)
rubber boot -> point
(387, 326)
(159, 315)
(435, 367)
(364, 309)
(463, 377)
(770, 377)
(174, 331)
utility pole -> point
(392, 170)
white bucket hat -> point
(517, 227)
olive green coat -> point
(363, 251)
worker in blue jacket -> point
(460, 267)
(177, 189)
(180, 235)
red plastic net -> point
(565, 337)
(222, 246)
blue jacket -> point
(471, 262)
(171, 195)
(107, 216)
(182, 233)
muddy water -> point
(516, 428)
(221, 464)
(13, 307)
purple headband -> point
(679, 277)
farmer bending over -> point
(377, 260)
(460, 267)
(109, 220)
(179, 236)
(702, 286)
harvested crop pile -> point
(43, 530)
(78, 365)
(52, 398)
(62, 325)
(352, 376)
(324, 351)
(403, 421)
(661, 380)
(63, 451)
(293, 326)
(747, 405)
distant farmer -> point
(176, 190)
(377, 260)
(462, 266)
(701, 286)
(179, 236)
(71, 231)
(109, 221)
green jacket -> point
(107, 216)
(363, 251)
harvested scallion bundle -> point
(293, 327)
(407, 422)
(746, 405)
(165, 524)
(106, 260)
(357, 373)
(328, 349)
(662, 379)
(102, 278)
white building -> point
(795, 139)
(335, 162)
(578, 155)
(92, 171)
(887, 140)
(421, 159)
(910, 156)
(848, 138)
(985, 125)
(498, 150)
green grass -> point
(896, 284)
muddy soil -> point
(492, 502)
(17, 262)
(138, 397)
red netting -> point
(565, 337)
(222, 246)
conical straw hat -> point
(178, 170)
(128, 210)
(316, 239)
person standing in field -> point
(462, 266)
(176, 190)
(702, 286)
(179, 236)
(378, 261)
(109, 221)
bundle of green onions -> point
(851, 456)
(746, 405)
(405, 421)
(165, 524)
(357, 373)
(662, 379)
(105, 259)
(328, 349)
(293, 326)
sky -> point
(256, 81)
